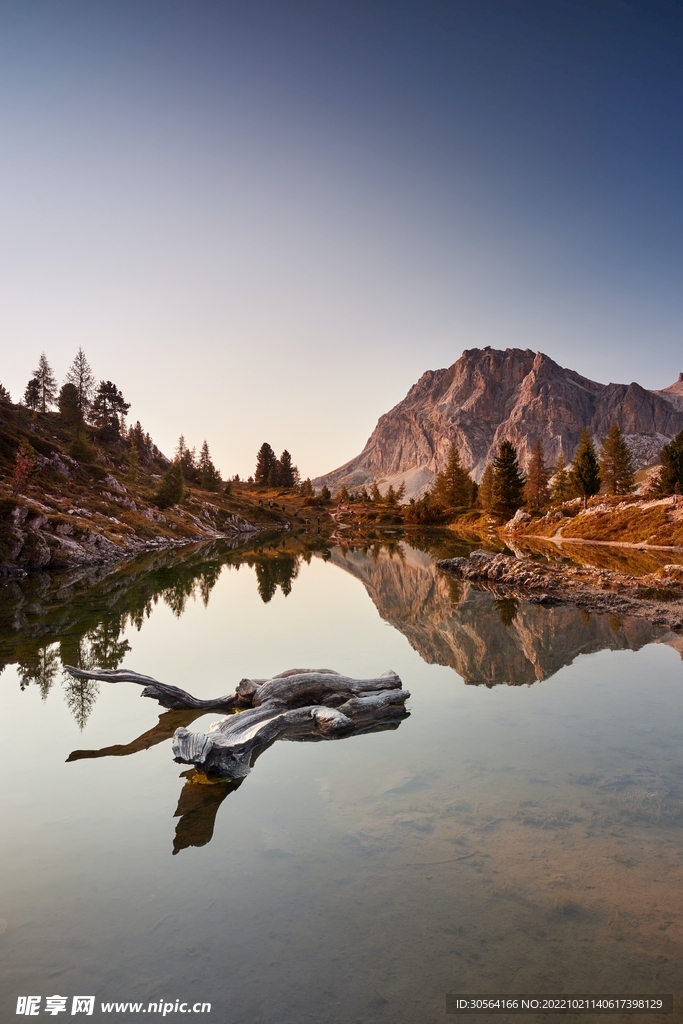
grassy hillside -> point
(90, 499)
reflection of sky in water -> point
(515, 838)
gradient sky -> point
(264, 220)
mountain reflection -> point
(487, 640)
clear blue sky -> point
(264, 220)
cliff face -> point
(489, 396)
(485, 641)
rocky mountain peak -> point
(491, 395)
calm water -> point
(523, 837)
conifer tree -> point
(306, 488)
(32, 394)
(670, 479)
(561, 489)
(453, 486)
(109, 409)
(171, 488)
(616, 466)
(209, 476)
(375, 493)
(46, 383)
(265, 461)
(508, 481)
(536, 493)
(325, 493)
(286, 471)
(5, 395)
(83, 379)
(585, 471)
(68, 404)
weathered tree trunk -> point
(297, 704)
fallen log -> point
(297, 704)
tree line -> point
(504, 488)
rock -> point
(519, 517)
(489, 396)
(112, 482)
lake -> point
(521, 831)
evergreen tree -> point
(83, 379)
(508, 482)
(536, 493)
(485, 494)
(306, 488)
(109, 409)
(325, 493)
(616, 466)
(265, 461)
(187, 460)
(375, 493)
(670, 480)
(136, 436)
(561, 489)
(275, 474)
(453, 486)
(46, 383)
(5, 395)
(286, 470)
(209, 476)
(32, 394)
(171, 488)
(68, 404)
(585, 471)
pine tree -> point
(306, 488)
(286, 470)
(325, 493)
(508, 482)
(109, 409)
(453, 486)
(5, 395)
(68, 404)
(265, 461)
(46, 382)
(375, 493)
(616, 466)
(536, 493)
(209, 476)
(171, 488)
(670, 480)
(585, 471)
(32, 394)
(561, 489)
(83, 379)
(485, 494)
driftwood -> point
(299, 704)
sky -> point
(265, 220)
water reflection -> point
(201, 796)
(81, 619)
(486, 640)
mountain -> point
(489, 396)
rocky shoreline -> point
(657, 597)
(35, 538)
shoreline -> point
(656, 597)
